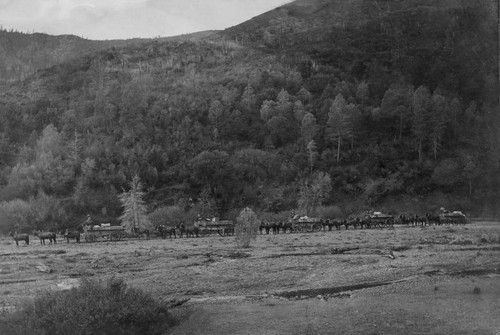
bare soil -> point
(423, 280)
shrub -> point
(169, 215)
(246, 228)
(90, 309)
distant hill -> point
(22, 54)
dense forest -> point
(321, 106)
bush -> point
(90, 309)
(246, 228)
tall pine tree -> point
(134, 215)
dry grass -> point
(180, 268)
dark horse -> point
(189, 232)
(46, 235)
(20, 237)
(166, 230)
(73, 234)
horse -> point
(354, 222)
(433, 219)
(262, 227)
(166, 230)
(20, 237)
(364, 221)
(285, 226)
(189, 232)
(48, 235)
(73, 234)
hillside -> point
(318, 106)
(22, 54)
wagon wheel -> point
(87, 238)
(317, 227)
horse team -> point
(181, 230)
(44, 235)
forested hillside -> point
(23, 54)
(388, 105)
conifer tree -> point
(134, 208)
(339, 126)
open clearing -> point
(413, 280)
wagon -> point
(455, 217)
(379, 219)
(215, 226)
(103, 231)
(305, 224)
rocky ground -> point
(414, 280)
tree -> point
(267, 110)
(15, 215)
(362, 93)
(313, 191)
(214, 115)
(134, 208)
(248, 98)
(283, 105)
(338, 125)
(246, 228)
(437, 120)
(304, 95)
(309, 128)
(421, 106)
(169, 215)
(299, 111)
(280, 130)
(396, 103)
(312, 153)
(470, 168)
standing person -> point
(89, 222)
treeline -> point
(214, 126)
(23, 54)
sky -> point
(122, 19)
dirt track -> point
(317, 283)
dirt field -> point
(424, 280)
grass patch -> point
(92, 308)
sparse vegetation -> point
(92, 308)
